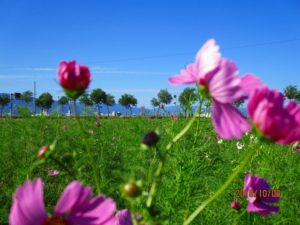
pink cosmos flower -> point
(74, 78)
(260, 197)
(220, 79)
(74, 207)
(53, 173)
(272, 118)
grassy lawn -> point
(195, 167)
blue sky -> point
(134, 46)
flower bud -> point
(74, 78)
(97, 123)
(235, 205)
(42, 151)
(131, 189)
(151, 138)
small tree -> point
(291, 91)
(98, 96)
(85, 100)
(26, 97)
(164, 98)
(109, 101)
(155, 103)
(187, 99)
(128, 101)
(45, 100)
(38, 103)
(63, 100)
(4, 100)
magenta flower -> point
(220, 79)
(74, 207)
(260, 197)
(74, 78)
(272, 118)
(53, 173)
(123, 217)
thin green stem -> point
(89, 151)
(156, 179)
(154, 184)
(220, 191)
(198, 121)
(61, 165)
(184, 130)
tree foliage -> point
(85, 100)
(98, 96)
(45, 101)
(291, 92)
(109, 101)
(4, 100)
(128, 101)
(27, 96)
(187, 99)
(154, 102)
(164, 96)
(63, 100)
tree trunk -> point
(107, 110)
(99, 111)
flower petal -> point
(228, 121)
(186, 76)
(28, 204)
(224, 83)
(68, 198)
(208, 57)
(249, 83)
(262, 209)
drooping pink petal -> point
(262, 209)
(249, 83)
(224, 83)
(208, 57)
(228, 121)
(28, 205)
(186, 76)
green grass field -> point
(195, 167)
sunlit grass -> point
(195, 166)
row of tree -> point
(96, 98)
(99, 97)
